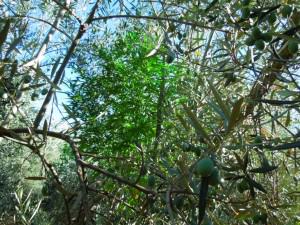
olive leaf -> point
(4, 32)
(196, 124)
(295, 144)
(256, 185)
(45, 130)
(35, 178)
(245, 160)
(235, 114)
(263, 169)
(239, 159)
(219, 100)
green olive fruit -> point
(44, 91)
(272, 18)
(204, 167)
(151, 181)
(260, 218)
(263, 218)
(34, 96)
(258, 140)
(267, 37)
(259, 44)
(286, 11)
(243, 186)
(186, 147)
(27, 79)
(256, 33)
(256, 218)
(214, 178)
(245, 12)
(292, 46)
(245, 2)
(250, 41)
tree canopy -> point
(149, 112)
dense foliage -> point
(173, 112)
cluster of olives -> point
(205, 168)
(186, 147)
(35, 95)
(12, 90)
(245, 10)
(258, 38)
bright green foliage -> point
(154, 88)
(117, 102)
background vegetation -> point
(149, 112)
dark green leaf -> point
(256, 185)
(265, 169)
(4, 32)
